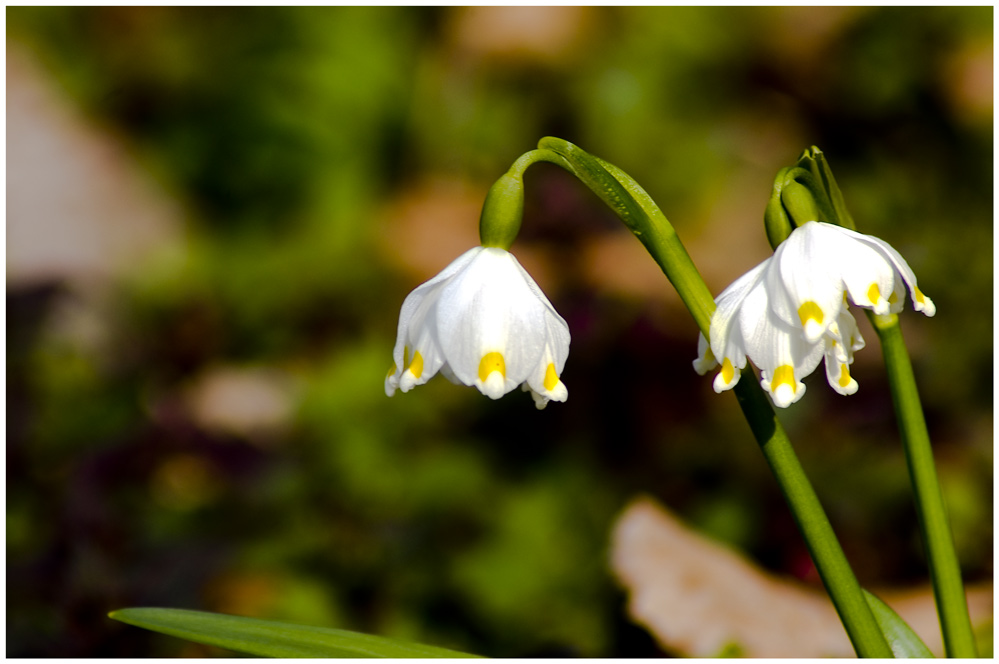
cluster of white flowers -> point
(791, 310)
(482, 321)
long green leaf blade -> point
(268, 638)
(900, 637)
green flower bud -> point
(775, 218)
(815, 162)
(502, 212)
(802, 202)
(804, 192)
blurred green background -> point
(195, 408)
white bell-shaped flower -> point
(482, 321)
(791, 310)
(819, 264)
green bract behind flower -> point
(482, 321)
(790, 311)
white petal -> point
(392, 381)
(842, 341)
(544, 382)
(726, 335)
(445, 371)
(919, 301)
(426, 358)
(804, 281)
(846, 334)
(867, 274)
(482, 321)
(421, 300)
(838, 374)
(540, 402)
(494, 386)
(783, 355)
(705, 361)
(490, 308)
(925, 304)
(896, 301)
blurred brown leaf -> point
(77, 203)
(699, 598)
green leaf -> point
(901, 639)
(268, 638)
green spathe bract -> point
(903, 641)
(269, 638)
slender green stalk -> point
(938, 541)
(644, 218)
(826, 552)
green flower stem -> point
(638, 212)
(644, 218)
(938, 541)
(826, 552)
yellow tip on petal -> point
(784, 375)
(551, 378)
(727, 371)
(844, 377)
(810, 311)
(392, 370)
(416, 366)
(811, 316)
(874, 294)
(492, 362)
(923, 303)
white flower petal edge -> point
(920, 302)
(727, 341)
(744, 325)
(844, 340)
(482, 321)
(790, 311)
(818, 262)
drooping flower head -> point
(791, 311)
(482, 321)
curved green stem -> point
(945, 571)
(644, 218)
(638, 212)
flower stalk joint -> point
(502, 212)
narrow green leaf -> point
(901, 639)
(268, 638)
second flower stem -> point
(945, 571)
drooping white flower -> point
(482, 321)
(791, 310)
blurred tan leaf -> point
(77, 203)
(244, 401)
(543, 34)
(700, 599)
